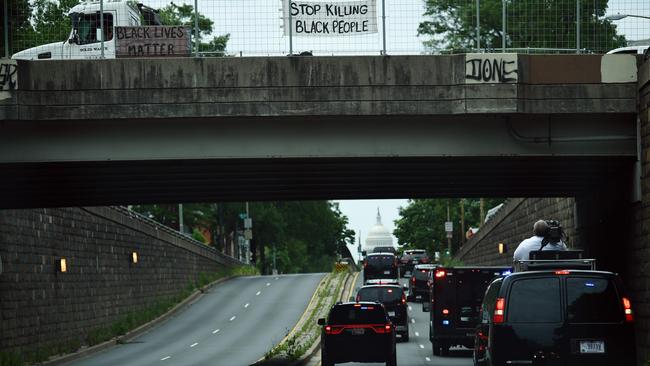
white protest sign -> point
(330, 18)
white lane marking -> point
(413, 320)
(258, 293)
(194, 345)
(216, 331)
(410, 308)
(247, 305)
(268, 284)
(428, 359)
(277, 278)
(422, 346)
(165, 358)
(417, 334)
(233, 317)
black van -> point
(394, 300)
(455, 297)
(379, 265)
(555, 318)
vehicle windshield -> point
(385, 295)
(85, 27)
(592, 300)
(363, 314)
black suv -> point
(456, 294)
(412, 257)
(379, 265)
(357, 332)
(420, 282)
(555, 317)
(394, 300)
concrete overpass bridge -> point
(136, 130)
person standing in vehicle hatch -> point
(541, 230)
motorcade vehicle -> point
(357, 332)
(393, 297)
(84, 40)
(420, 282)
(631, 50)
(383, 281)
(384, 250)
(456, 294)
(412, 257)
(380, 265)
(555, 315)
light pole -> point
(621, 16)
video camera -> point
(553, 234)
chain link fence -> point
(330, 27)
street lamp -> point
(621, 16)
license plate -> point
(592, 347)
(391, 313)
(357, 331)
(386, 272)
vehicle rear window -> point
(381, 294)
(593, 300)
(381, 260)
(364, 314)
(535, 300)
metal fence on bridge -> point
(338, 27)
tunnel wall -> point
(42, 308)
(514, 223)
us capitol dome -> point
(378, 236)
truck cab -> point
(84, 41)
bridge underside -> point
(167, 181)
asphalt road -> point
(417, 351)
(234, 324)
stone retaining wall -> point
(41, 307)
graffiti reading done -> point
(8, 75)
(491, 68)
(152, 41)
(330, 18)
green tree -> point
(451, 24)
(421, 223)
(174, 14)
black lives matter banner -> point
(152, 41)
(311, 18)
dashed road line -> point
(233, 317)
(277, 278)
(410, 308)
(165, 358)
(247, 305)
(428, 359)
(422, 346)
(216, 331)
(417, 334)
(268, 284)
(413, 320)
(193, 344)
(258, 293)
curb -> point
(88, 351)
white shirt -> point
(534, 243)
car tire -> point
(392, 361)
(324, 360)
(405, 335)
(436, 348)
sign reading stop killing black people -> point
(330, 18)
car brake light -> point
(627, 306)
(440, 273)
(403, 299)
(423, 271)
(381, 329)
(333, 329)
(445, 311)
(562, 272)
(413, 279)
(499, 308)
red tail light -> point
(382, 329)
(333, 329)
(413, 279)
(440, 273)
(562, 272)
(403, 299)
(627, 306)
(445, 311)
(424, 260)
(499, 309)
(365, 264)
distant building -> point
(378, 236)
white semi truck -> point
(84, 41)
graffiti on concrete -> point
(491, 68)
(8, 75)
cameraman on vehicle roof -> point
(548, 236)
